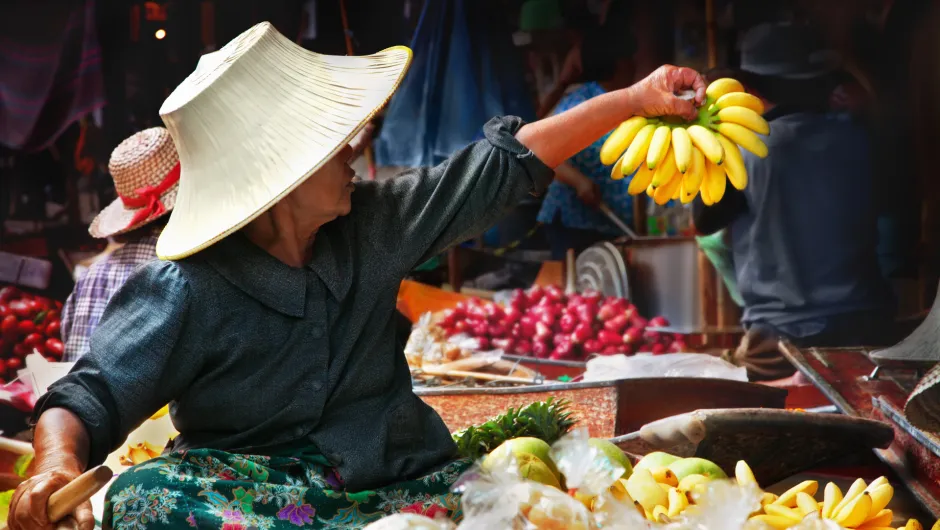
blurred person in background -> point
(569, 209)
(803, 233)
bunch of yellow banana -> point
(862, 507)
(674, 159)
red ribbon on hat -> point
(148, 198)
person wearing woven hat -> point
(803, 233)
(145, 169)
(267, 324)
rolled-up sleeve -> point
(134, 366)
(424, 211)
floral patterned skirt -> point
(211, 489)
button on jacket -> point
(256, 356)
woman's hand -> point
(589, 193)
(30, 503)
(657, 95)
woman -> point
(570, 208)
(268, 325)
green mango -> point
(696, 466)
(655, 460)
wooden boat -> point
(861, 388)
(607, 409)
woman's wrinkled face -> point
(328, 192)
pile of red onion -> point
(548, 324)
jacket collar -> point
(277, 285)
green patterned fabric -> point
(205, 488)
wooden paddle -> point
(63, 502)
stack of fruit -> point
(548, 324)
(675, 159)
(863, 506)
(28, 323)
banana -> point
(855, 512)
(806, 504)
(615, 173)
(650, 190)
(854, 490)
(665, 171)
(715, 182)
(659, 146)
(161, 413)
(744, 117)
(682, 148)
(619, 491)
(880, 497)
(667, 191)
(767, 497)
(882, 518)
(677, 502)
(877, 482)
(703, 191)
(788, 498)
(743, 473)
(734, 163)
(706, 141)
(720, 87)
(690, 482)
(740, 99)
(913, 524)
(691, 184)
(831, 498)
(660, 514)
(636, 153)
(641, 180)
(642, 487)
(678, 191)
(783, 511)
(774, 521)
(620, 139)
(742, 136)
(664, 476)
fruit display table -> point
(849, 378)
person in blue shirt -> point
(569, 208)
(803, 232)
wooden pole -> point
(710, 33)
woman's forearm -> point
(559, 137)
(60, 441)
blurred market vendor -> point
(569, 210)
(268, 323)
(803, 232)
(145, 168)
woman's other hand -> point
(30, 503)
(589, 193)
(657, 94)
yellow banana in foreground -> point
(659, 146)
(882, 518)
(720, 87)
(740, 99)
(643, 488)
(744, 137)
(880, 497)
(664, 476)
(636, 153)
(620, 139)
(746, 118)
(854, 513)
(743, 473)
(641, 180)
(650, 190)
(714, 182)
(774, 521)
(877, 482)
(691, 184)
(665, 171)
(806, 504)
(615, 172)
(706, 141)
(660, 514)
(677, 502)
(788, 498)
(913, 524)
(703, 191)
(854, 490)
(831, 498)
(667, 191)
(782, 511)
(682, 148)
(734, 163)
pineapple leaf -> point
(547, 420)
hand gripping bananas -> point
(677, 159)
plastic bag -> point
(607, 368)
(428, 343)
(501, 498)
(409, 521)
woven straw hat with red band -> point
(146, 172)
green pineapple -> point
(547, 420)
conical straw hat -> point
(255, 119)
